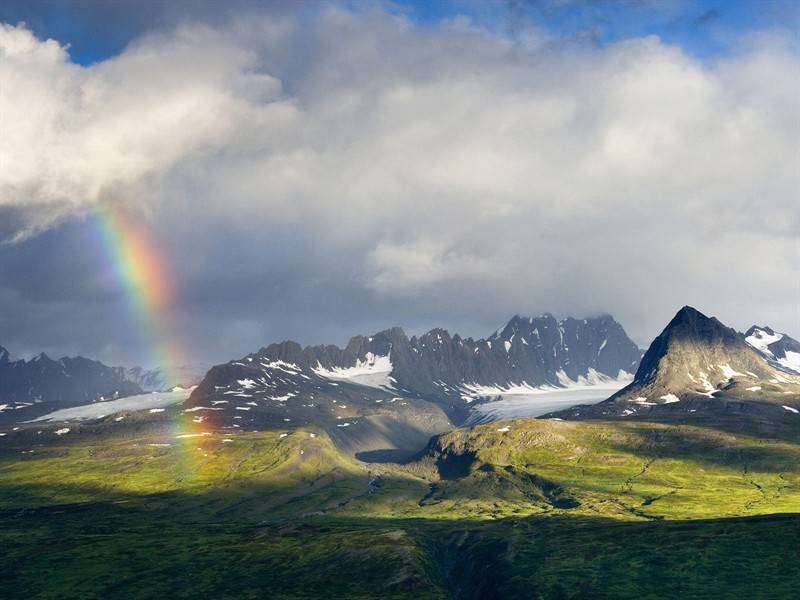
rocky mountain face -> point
(400, 386)
(697, 367)
(31, 388)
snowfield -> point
(593, 382)
(760, 340)
(154, 402)
(530, 405)
(791, 361)
(374, 371)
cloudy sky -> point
(315, 170)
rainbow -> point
(142, 268)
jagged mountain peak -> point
(521, 324)
(697, 364)
(691, 323)
(693, 345)
(435, 366)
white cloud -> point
(75, 136)
(631, 177)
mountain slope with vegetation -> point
(510, 509)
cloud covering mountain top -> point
(344, 171)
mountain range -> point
(388, 390)
(30, 388)
(698, 369)
(37, 386)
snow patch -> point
(280, 365)
(110, 407)
(791, 361)
(643, 401)
(728, 372)
(790, 409)
(373, 371)
(670, 398)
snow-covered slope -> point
(777, 347)
(153, 401)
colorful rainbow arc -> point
(142, 269)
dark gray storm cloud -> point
(313, 176)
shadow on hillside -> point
(761, 420)
(186, 545)
(710, 445)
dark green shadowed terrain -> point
(544, 509)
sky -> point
(315, 170)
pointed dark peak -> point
(688, 326)
(354, 344)
(687, 314)
(690, 319)
(690, 323)
(4, 355)
(515, 324)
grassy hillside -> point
(529, 509)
